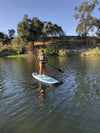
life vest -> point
(43, 58)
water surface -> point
(29, 106)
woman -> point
(43, 61)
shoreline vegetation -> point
(69, 46)
(54, 51)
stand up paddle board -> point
(47, 79)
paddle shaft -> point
(56, 68)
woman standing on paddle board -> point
(43, 61)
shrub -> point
(1, 44)
(18, 48)
(92, 52)
(49, 51)
(96, 51)
(62, 52)
(16, 45)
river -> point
(29, 106)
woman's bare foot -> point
(44, 76)
(40, 76)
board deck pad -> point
(47, 79)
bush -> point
(1, 44)
(49, 51)
(16, 45)
(18, 48)
(92, 52)
(5, 47)
(96, 50)
(16, 40)
(62, 52)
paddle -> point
(53, 67)
(56, 68)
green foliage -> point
(16, 45)
(3, 37)
(6, 52)
(18, 55)
(86, 21)
(1, 44)
(97, 25)
(92, 52)
(37, 27)
(11, 33)
(49, 51)
(53, 51)
(95, 50)
(29, 29)
(62, 52)
(18, 48)
(52, 30)
(16, 40)
(5, 48)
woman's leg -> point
(44, 69)
(40, 71)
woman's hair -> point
(42, 51)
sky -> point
(57, 11)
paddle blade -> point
(60, 70)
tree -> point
(3, 38)
(29, 30)
(23, 29)
(36, 27)
(83, 13)
(97, 25)
(57, 30)
(48, 29)
(52, 30)
(44, 29)
(11, 33)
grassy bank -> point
(18, 55)
(9, 54)
(3, 54)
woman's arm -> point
(37, 58)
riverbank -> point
(68, 46)
(8, 54)
(84, 52)
(53, 51)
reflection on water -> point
(29, 106)
(41, 95)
